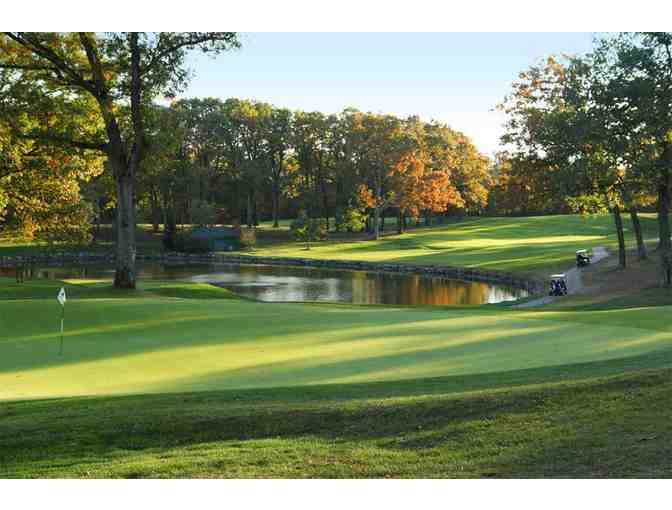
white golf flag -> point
(61, 296)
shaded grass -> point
(146, 242)
(614, 427)
(98, 289)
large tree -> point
(119, 72)
(277, 128)
(558, 116)
(636, 72)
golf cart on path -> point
(582, 258)
(558, 285)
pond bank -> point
(459, 273)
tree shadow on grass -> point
(553, 430)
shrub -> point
(350, 219)
(307, 229)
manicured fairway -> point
(530, 244)
(161, 343)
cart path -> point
(574, 281)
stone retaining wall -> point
(459, 273)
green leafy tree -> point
(635, 72)
(202, 213)
(277, 130)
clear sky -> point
(457, 78)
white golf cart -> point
(582, 258)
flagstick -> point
(60, 349)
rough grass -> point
(614, 427)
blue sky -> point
(457, 78)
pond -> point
(280, 283)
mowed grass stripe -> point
(162, 344)
(535, 244)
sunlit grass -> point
(176, 337)
(530, 244)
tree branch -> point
(184, 43)
(94, 63)
(47, 137)
(28, 67)
(46, 53)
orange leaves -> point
(418, 188)
(365, 197)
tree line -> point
(247, 160)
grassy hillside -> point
(611, 427)
(235, 388)
(528, 245)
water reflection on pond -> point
(277, 283)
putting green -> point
(116, 344)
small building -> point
(219, 238)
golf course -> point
(182, 379)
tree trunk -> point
(164, 213)
(621, 238)
(255, 216)
(276, 204)
(637, 227)
(325, 202)
(249, 209)
(124, 277)
(664, 221)
(400, 222)
(376, 222)
(156, 212)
